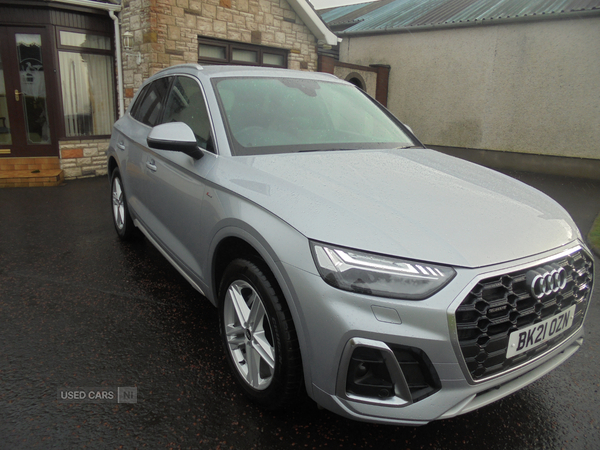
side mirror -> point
(175, 137)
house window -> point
(217, 51)
(244, 56)
(87, 83)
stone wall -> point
(83, 158)
(166, 32)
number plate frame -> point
(535, 335)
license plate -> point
(522, 340)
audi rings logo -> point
(546, 280)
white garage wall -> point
(531, 87)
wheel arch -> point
(238, 239)
(111, 165)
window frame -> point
(59, 47)
(230, 46)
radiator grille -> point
(499, 305)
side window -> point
(138, 101)
(151, 102)
(186, 104)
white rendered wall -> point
(531, 87)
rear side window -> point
(150, 104)
(138, 101)
(186, 104)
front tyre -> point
(258, 334)
(120, 212)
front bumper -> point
(435, 382)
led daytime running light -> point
(378, 275)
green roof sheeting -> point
(389, 16)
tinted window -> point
(138, 101)
(151, 102)
(186, 104)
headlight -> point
(383, 276)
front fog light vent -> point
(420, 375)
(392, 375)
(368, 375)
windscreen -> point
(282, 115)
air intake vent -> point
(369, 374)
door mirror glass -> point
(176, 137)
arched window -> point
(357, 80)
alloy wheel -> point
(249, 335)
(118, 204)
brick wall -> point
(166, 32)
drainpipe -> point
(119, 63)
(111, 9)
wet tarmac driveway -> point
(78, 308)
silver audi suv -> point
(392, 283)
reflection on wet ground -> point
(78, 308)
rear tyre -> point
(258, 334)
(120, 212)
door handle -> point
(121, 145)
(17, 93)
(151, 165)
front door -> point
(28, 111)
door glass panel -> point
(33, 88)
(5, 137)
(153, 102)
(186, 104)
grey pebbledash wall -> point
(529, 87)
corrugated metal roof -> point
(356, 15)
(439, 13)
(333, 14)
(397, 14)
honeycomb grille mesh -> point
(499, 305)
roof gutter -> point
(314, 22)
(475, 23)
(111, 9)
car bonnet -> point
(413, 203)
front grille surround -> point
(501, 303)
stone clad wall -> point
(166, 32)
(83, 158)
